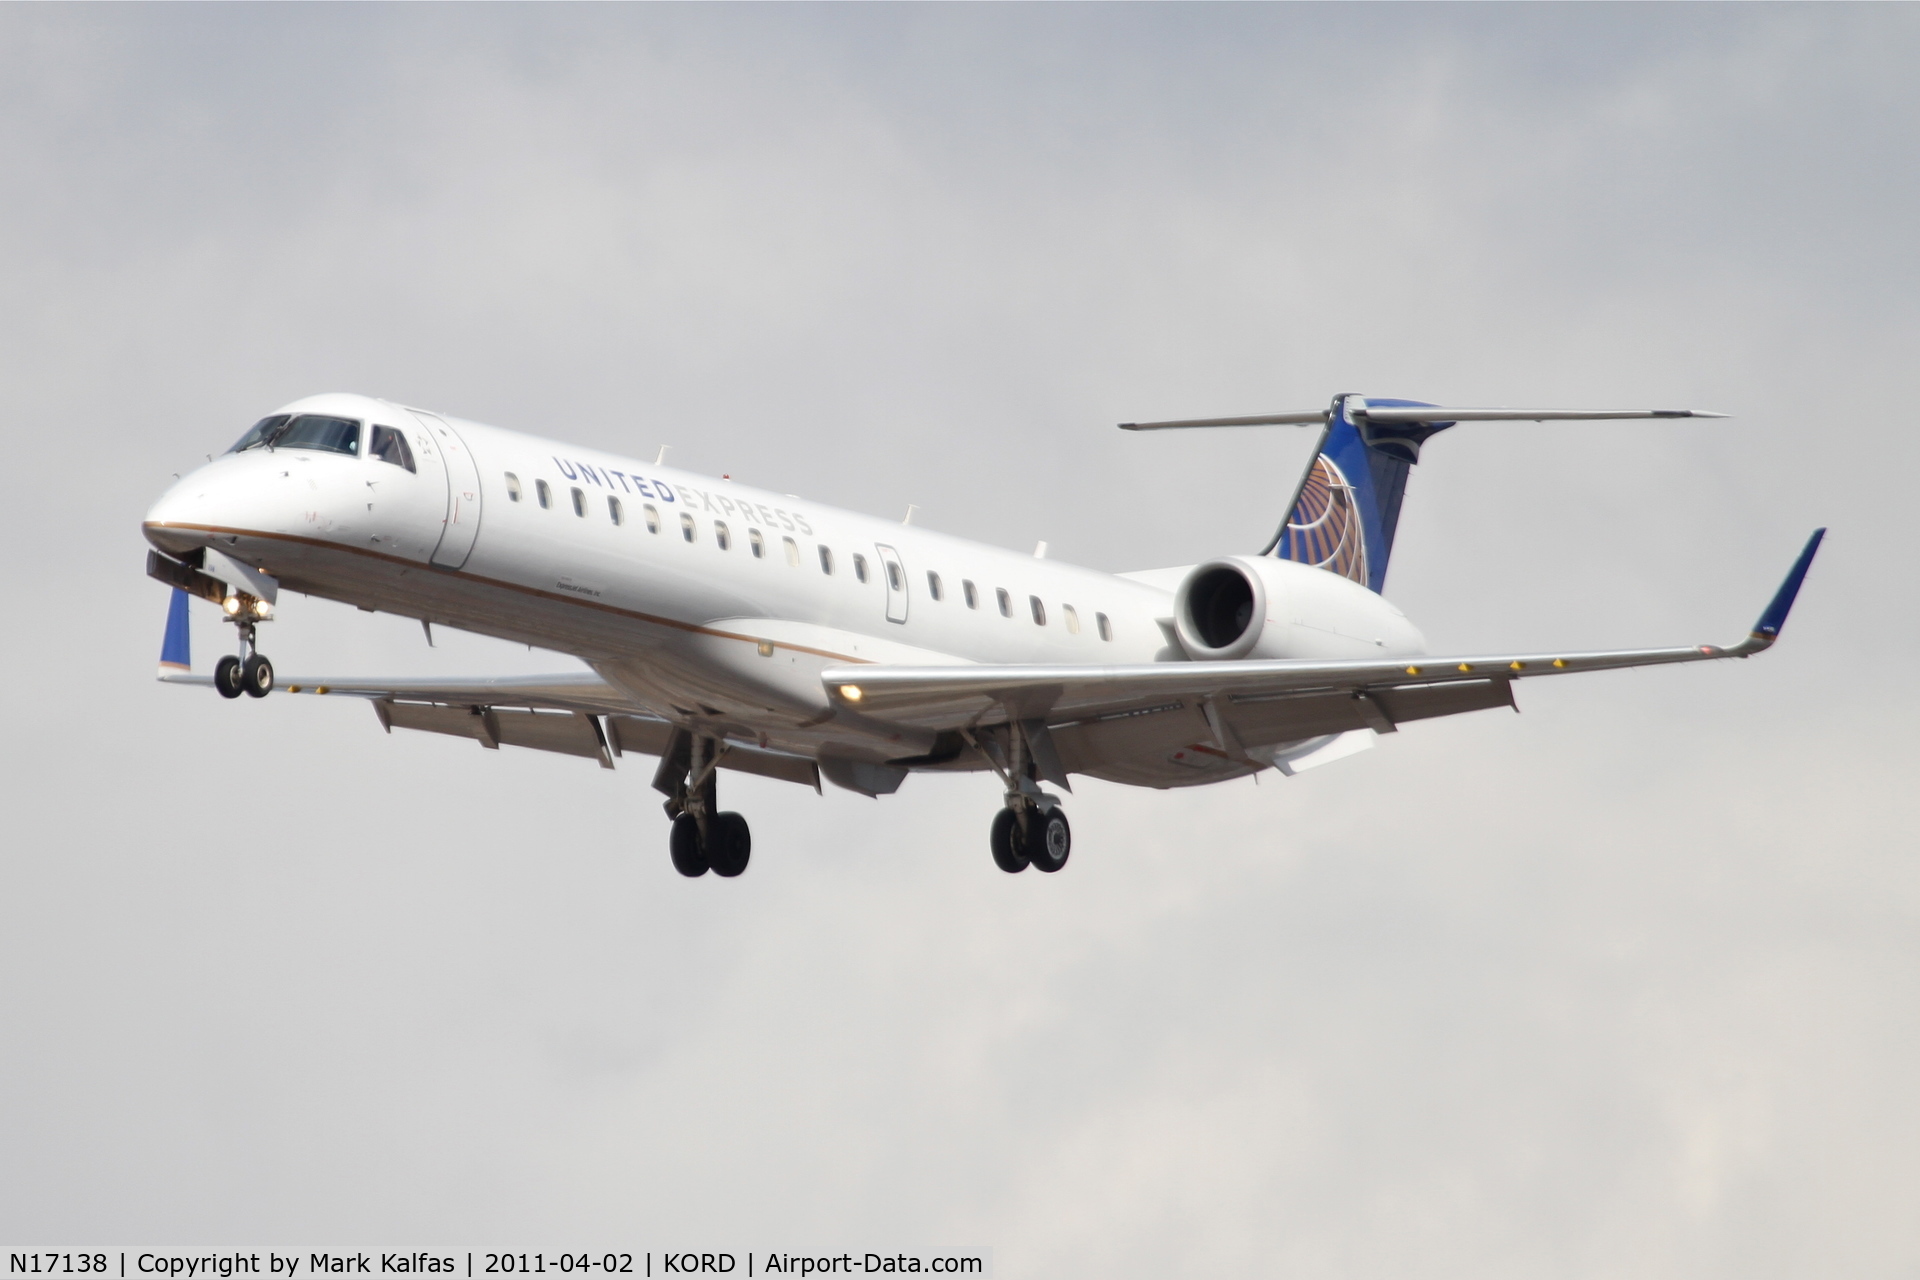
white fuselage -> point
(699, 598)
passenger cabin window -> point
(544, 494)
(261, 432)
(722, 537)
(758, 543)
(1071, 618)
(579, 503)
(513, 487)
(652, 513)
(1006, 601)
(967, 593)
(793, 552)
(1106, 628)
(859, 567)
(686, 526)
(933, 585)
(388, 445)
(1039, 611)
(826, 558)
(614, 511)
(893, 575)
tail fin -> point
(176, 650)
(1347, 506)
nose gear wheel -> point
(226, 676)
(256, 675)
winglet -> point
(1767, 630)
(176, 651)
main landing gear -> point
(249, 672)
(1030, 836)
(1032, 830)
(703, 838)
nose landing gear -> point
(703, 838)
(249, 672)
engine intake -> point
(1219, 611)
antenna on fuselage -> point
(662, 459)
(910, 510)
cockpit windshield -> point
(306, 431)
(263, 431)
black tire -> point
(729, 844)
(1052, 841)
(256, 676)
(1009, 852)
(226, 676)
(689, 858)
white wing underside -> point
(573, 713)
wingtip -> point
(1767, 629)
(176, 645)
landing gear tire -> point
(1009, 850)
(226, 676)
(729, 844)
(256, 676)
(1051, 840)
(689, 857)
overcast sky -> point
(1625, 984)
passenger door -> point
(463, 492)
(895, 574)
(411, 507)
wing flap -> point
(644, 736)
(565, 691)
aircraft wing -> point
(1246, 703)
(573, 713)
(565, 691)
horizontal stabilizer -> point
(1361, 412)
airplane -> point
(725, 627)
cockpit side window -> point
(316, 431)
(263, 431)
(388, 445)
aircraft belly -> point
(453, 599)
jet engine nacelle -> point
(1260, 607)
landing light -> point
(232, 605)
(851, 692)
(261, 609)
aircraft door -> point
(410, 510)
(896, 576)
(462, 524)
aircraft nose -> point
(177, 523)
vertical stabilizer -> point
(1348, 505)
(176, 650)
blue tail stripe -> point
(1775, 616)
(177, 649)
(1349, 505)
